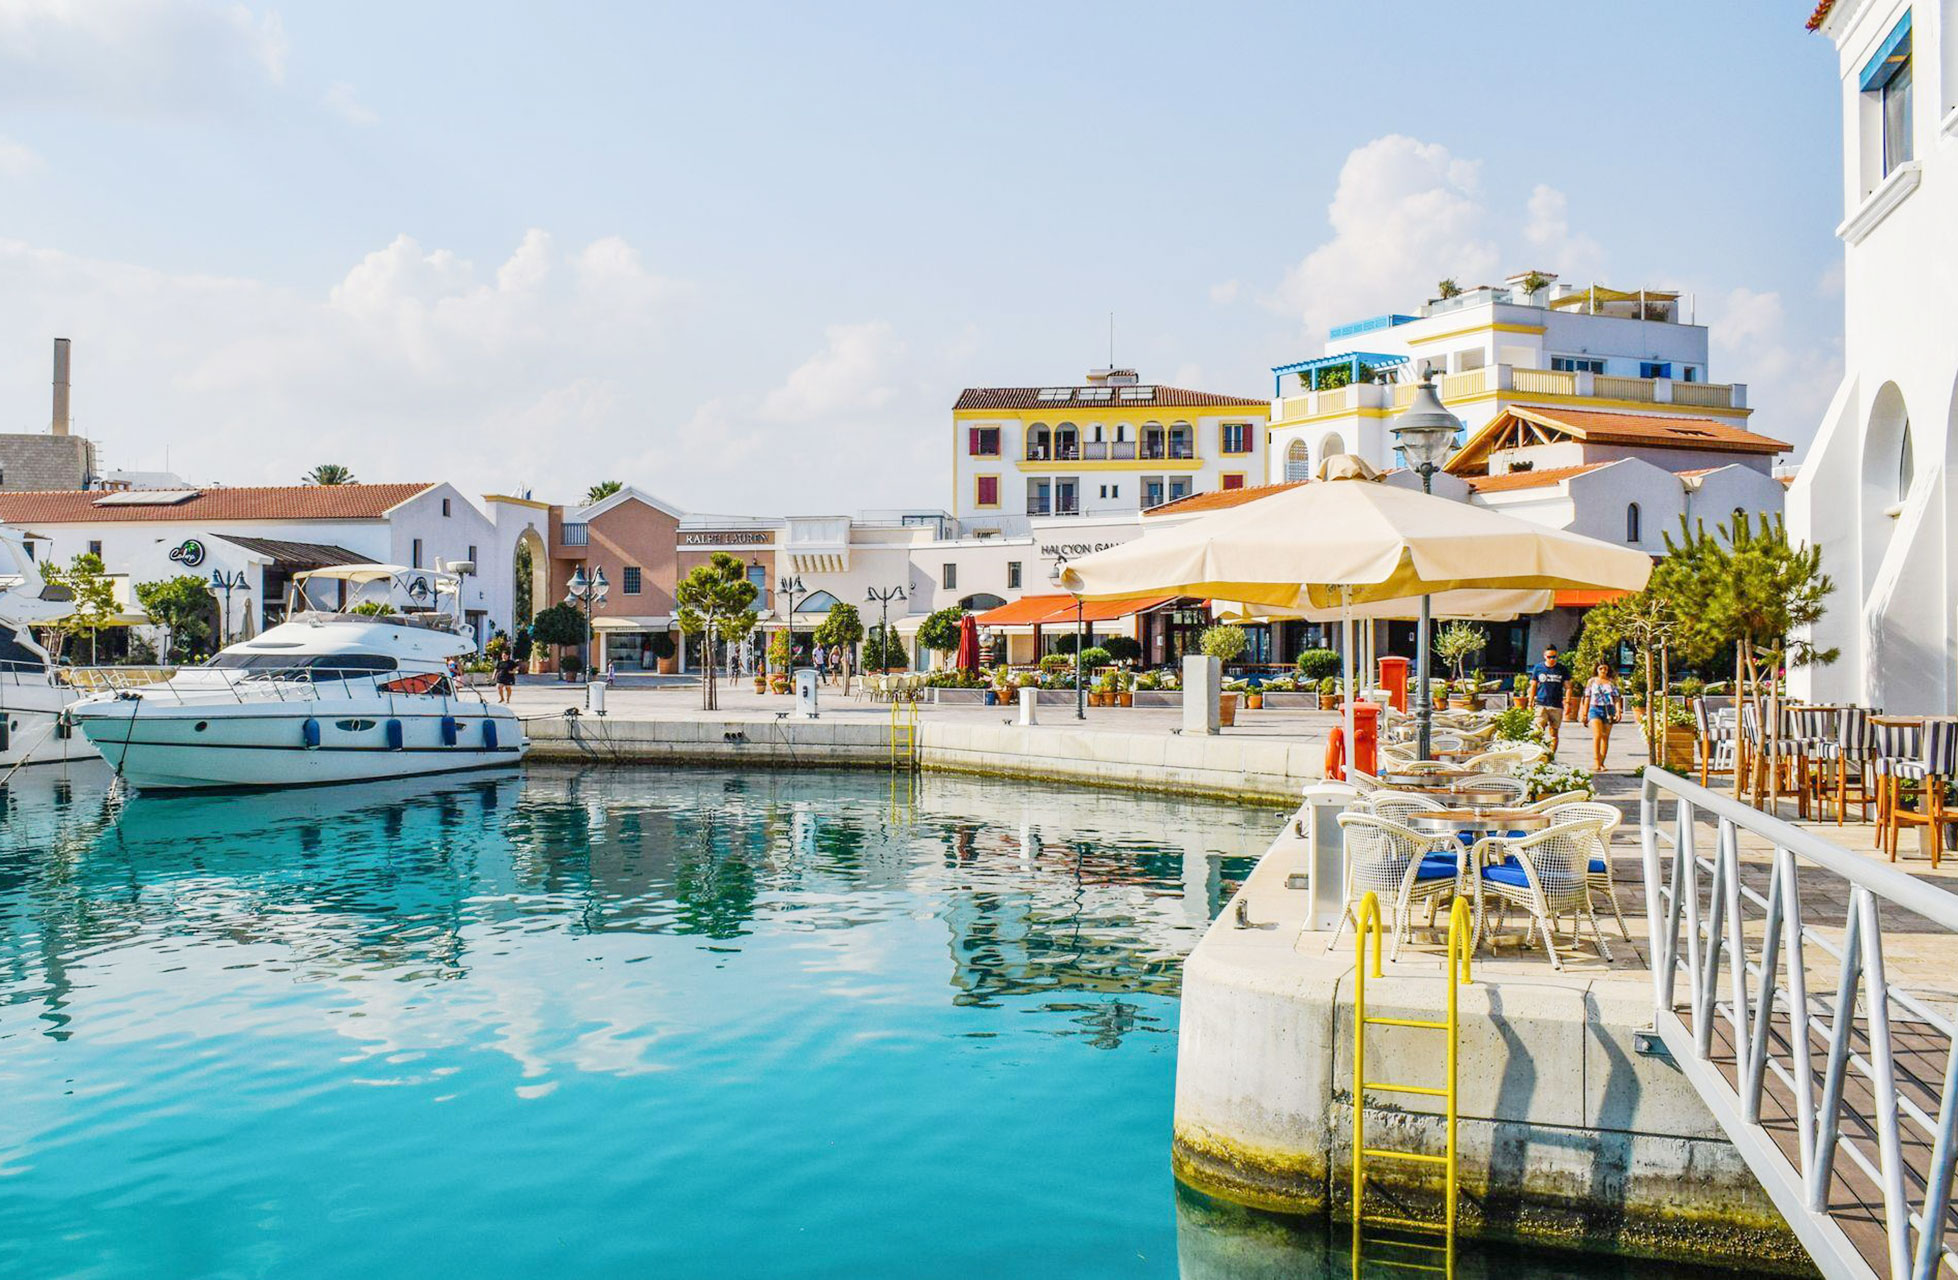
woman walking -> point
(1603, 706)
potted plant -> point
(1124, 695)
(569, 666)
(665, 652)
(1227, 707)
(1329, 693)
(1519, 690)
(1251, 695)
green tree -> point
(562, 624)
(843, 627)
(1123, 648)
(1449, 289)
(881, 652)
(717, 602)
(940, 631)
(330, 473)
(601, 491)
(93, 595)
(523, 568)
(1457, 642)
(182, 607)
(1225, 642)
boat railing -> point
(187, 685)
(112, 679)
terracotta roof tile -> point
(1221, 499)
(1527, 479)
(1165, 398)
(1821, 14)
(279, 502)
(1665, 430)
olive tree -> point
(717, 602)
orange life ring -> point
(1336, 753)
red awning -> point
(1055, 610)
(1585, 599)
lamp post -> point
(883, 596)
(1425, 434)
(790, 585)
(224, 583)
(1080, 677)
(587, 594)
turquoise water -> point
(607, 1023)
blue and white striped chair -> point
(1716, 740)
(1896, 751)
(1846, 764)
(1933, 771)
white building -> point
(1876, 491)
(266, 534)
(1111, 448)
(1531, 341)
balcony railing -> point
(1505, 379)
(1173, 452)
(576, 535)
(1050, 507)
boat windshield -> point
(15, 656)
(335, 663)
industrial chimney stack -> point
(60, 425)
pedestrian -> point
(1548, 681)
(1604, 706)
(506, 677)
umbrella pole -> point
(1424, 701)
(1346, 663)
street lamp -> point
(790, 585)
(1425, 434)
(587, 594)
(226, 583)
(883, 596)
(1080, 677)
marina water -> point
(612, 1022)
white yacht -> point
(32, 696)
(356, 691)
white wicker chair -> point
(1515, 787)
(1548, 803)
(1405, 867)
(1394, 806)
(1546, 874)
(1598, 870)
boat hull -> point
(183, 747)
(31, 729)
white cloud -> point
(1225, 293)
(342, 101)
(418, 363)
(1548, 233)
(137, 56)
(16, 159)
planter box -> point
(959, 697)
(1291, 702)
(1227, 710)
(1158, 698)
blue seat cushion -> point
(1506, 873)
(1437, 864)
(1597, 867)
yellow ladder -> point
(904, 731)
(1460, 935)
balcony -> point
(1514, 381)
(1047, 507)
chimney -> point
(60, 425)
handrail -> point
(1744, 956)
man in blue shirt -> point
(1548, 681)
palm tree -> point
(601, 491)
(329, 473)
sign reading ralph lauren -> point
(729, 538)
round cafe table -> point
(1478, 822)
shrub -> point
(1329, 687)
(1095, 657)
(560, 624)
(1123, 648)
(940, 631)
(1225, 642)
(1317, 664)
(1518, 724)
(570, 664)
(1056, 662)
(1064, 643)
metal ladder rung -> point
(1427, 1023)
(1426, 1091)
(1409, 1224)
(1376, 1153)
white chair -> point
(1514, 788)
(1405, 867)
(1546, 874)
(1548, 803)
(1395, 806)
(1598, 871)
(1497, 761)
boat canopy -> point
(361, 573)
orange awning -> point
(1036, 611)
(1585, 599)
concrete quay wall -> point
(1567, 1136)
(1225, 767)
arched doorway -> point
(530, 572)
(1889, 468)
(1298, 462)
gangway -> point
(1461, 938)
(1837, 1085)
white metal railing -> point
(1865, 1073)
(186, 686)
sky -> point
(745, 256)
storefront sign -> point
(1075, 550)
(730, 538)
(189, 553)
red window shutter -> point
(1233, 482)
(988, 491)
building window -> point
(1152, 491)
(445, 507)
(1234, 480)
(1012, 575)
(982, 442)
(95, 548)
(1237, 437)
(1179, 487)
(415, 554)
(1887, 78)
(1298, 462)
(1631, 523)
(577, 535)
(1576, 364)
(758, 579)
(1906, 464)
(1691, 373)
(472, 553)
(986, 491)
(1655, 369)
(948, 577)
(1114, 490)
(631, 584)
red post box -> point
(1366, 736)
(1393, 678)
